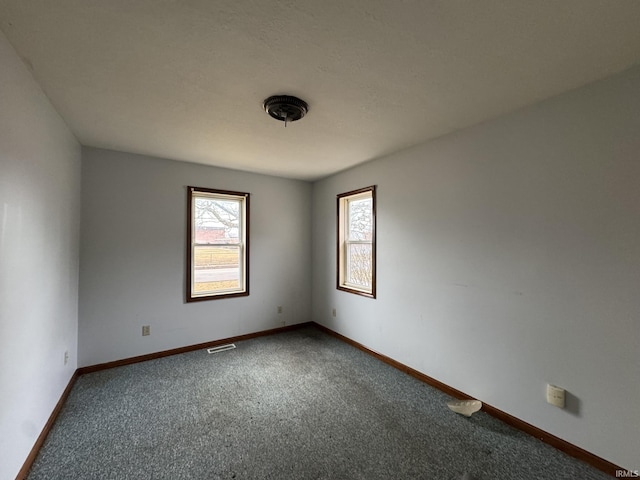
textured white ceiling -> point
(186, 79)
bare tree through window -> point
(360, 236)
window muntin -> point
(356, 242)
(218, 244)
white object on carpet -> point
(465, 407)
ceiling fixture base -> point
(285, 108)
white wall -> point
(39, 228)
(509, 257)
(133, 256)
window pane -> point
(216, 220)
(360, 219)
(359, 265)
(356, 242)
(217, 235)
(216, 269)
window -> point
(357, 242)
(217, 243)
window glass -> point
(218, 244)
(356, 242)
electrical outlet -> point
(146, 330)
(333, 312)
(280, 309)
(555, 395)
(66, 357)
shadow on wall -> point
(572, 404)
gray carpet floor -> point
(297, 405)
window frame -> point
(342, 257)
(243, 197)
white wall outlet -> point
(66, 357)
(279, 308)
(146, 330)
(333, 312)
(555, 395)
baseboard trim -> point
(26, 466)
(562, 445)
(188, 348)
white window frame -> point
(343, 243)
(243, 243)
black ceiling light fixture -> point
(285, 108)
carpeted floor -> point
(297, 405)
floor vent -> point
(221, 348)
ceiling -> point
(186, 79)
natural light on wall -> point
(356, 267)
(218, 245)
